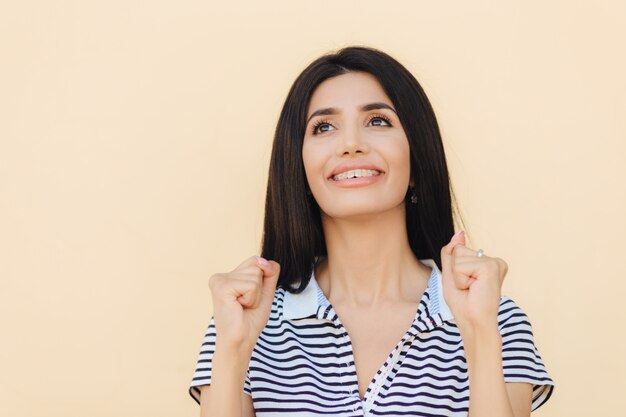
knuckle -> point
(245, 284)
(275, 264)
(247, 263)
(498, 265)
(248, 270)
(503, 265)
(249, 285)
(214, 280)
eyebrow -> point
(365, 107)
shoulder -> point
(521, 360)
(279, 298)
(276, 313)
(510, 314)
(507, 304)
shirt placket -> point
(378, 384)
(422, 323)
(348, 377)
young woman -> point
(364, 301)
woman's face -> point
(355, 151)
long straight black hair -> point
(293, 234)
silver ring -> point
(480, 253)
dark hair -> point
(293, 234)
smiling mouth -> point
(356, 173)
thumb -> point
(446, 254)
(270, 279)
(457, 238)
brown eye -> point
(379, 120)
(321, 126)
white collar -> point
(306, 303)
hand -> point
(242, 301)
(471, 285)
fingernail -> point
(263, 261)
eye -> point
(320, 126)
(379, 120)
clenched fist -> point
(471, 285)
(242, 301)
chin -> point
(359, 212)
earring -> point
(413, 195)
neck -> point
(370, 262)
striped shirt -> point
(303, 363)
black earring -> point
(413, 195)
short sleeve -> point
(521, 360)
(202, 374)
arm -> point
(489, 394)
(472, 284)
(242, 302)
(225, 396)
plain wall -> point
(134, 146)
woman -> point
(363, 301)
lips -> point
(354, 165)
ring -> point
(480, 253)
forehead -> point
(348, 90)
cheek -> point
(399, 158)
(313, 165)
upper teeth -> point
(356, 173)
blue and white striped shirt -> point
(303, 364)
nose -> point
(352, 141)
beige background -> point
(134, 145)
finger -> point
(252, 272)
(457, 238)
(227, 287)
(461, 280)
(483, 266)
(471, 268)
(268, 278)
(246, 292)
(451, 277)
(266, 266)
(446, 253)
(254, 268)
(447, 261)
(269, 281)
(472, 259)
(462, 250)
(247, 263)
(446, 270)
